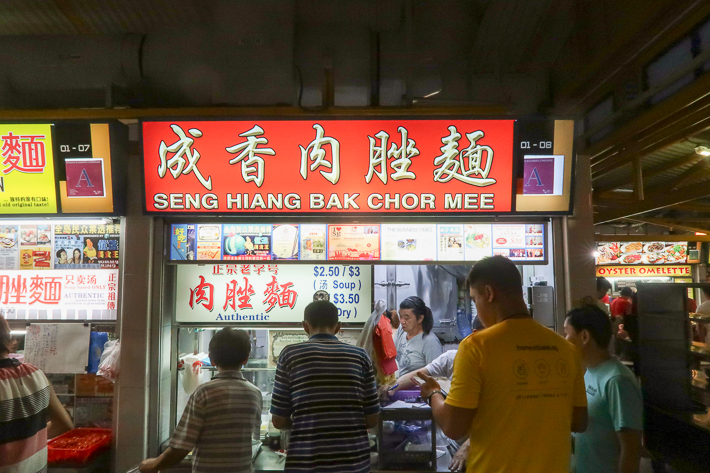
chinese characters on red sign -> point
(329, 166)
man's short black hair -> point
(706, 291)
(321, 314)
(592, 319)
(626, 292)
(230, 348)
(498, 272)
(603, 284)
(59, 253)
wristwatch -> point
(438, 391)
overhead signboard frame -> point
(385, 166)
(63, 168)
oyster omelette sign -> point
(328, 166)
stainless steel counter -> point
(268, 461)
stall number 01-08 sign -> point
(329, 166)
(248, 293)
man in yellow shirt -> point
(518, 387)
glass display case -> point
(195, 367)
(266, 345)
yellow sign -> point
(644, 271)
(27, 183)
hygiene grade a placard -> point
(263, 292)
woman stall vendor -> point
(416, 345)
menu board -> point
(642, 253)
(386, 242)
(269, 292)
(353, 242)
(183, 242)
(477, 241)
(35, 247)
(9, 247)
(450, 244)
(86, 246)
(313, 242)
(242, 242)
(284, 241)
(409, 242)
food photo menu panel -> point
(456, 242)
(642, 253)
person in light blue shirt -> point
(612, 441)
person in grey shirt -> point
(416, 345)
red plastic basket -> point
(78, 446)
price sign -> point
(263, 292)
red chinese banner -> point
(328, 166)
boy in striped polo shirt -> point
(221, 417)
(325, 391)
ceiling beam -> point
(650, 238)
(693, 207)
(695, 96)
(661, 222)
(652, 172)
(661, 201)
(677, 131)
(696, 170)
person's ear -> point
(585, 337)
(209, 355)
(307, 327)
(337, 327)
(489, 293)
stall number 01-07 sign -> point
(248, 293)
(329, 166)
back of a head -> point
(592, 319)
(603, 284)
(229, 348)
(626, 292)
(5, 336)
(706, 291)
(321, 314)
(498, 272)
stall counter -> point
(269, 461)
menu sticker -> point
(9, 247)
(35, 247)
(403, 242)
(353, 242)
(477, 242)
(511, 237)
(313, 242)
(247, 242)
(284, 242)
(449, 242)
(209, 246)
(543, 175)
(86, 246)
(183, 242)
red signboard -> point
(329, 166)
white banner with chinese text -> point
(258, 293)
(57, 294)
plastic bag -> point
(109, 362)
